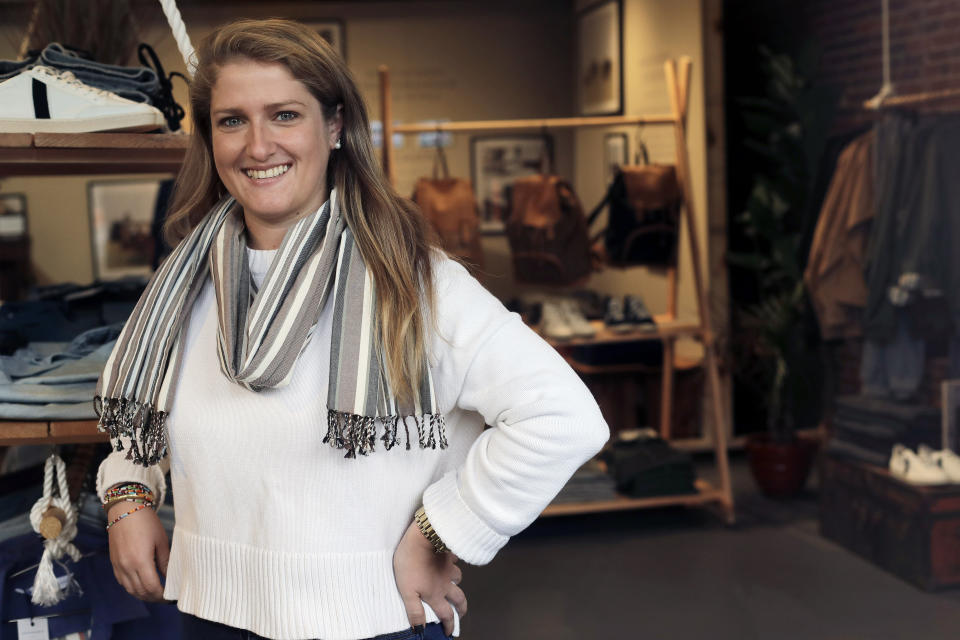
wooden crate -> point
(911, 531)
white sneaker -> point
(554, 322)
(947, 460)
(42, 99)
(578, 322)
(907, 465)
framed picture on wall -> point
(600, 59)
(495, 162)
(333, 31)
(615, 154)
(121, 221)
(950, 415)
(13, 216)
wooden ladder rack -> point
(678, 89)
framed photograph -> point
(615, 154)
(495, 162)
(121, 221)
(950, 415)
(13, 216)
(333, 31)
(599, 59)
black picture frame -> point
(495, 162)
(599, 63)
(121, 214)
(13, 216)
(333, 30)
(616, 154)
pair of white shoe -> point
(43, 99)
(926, 466)
(562, 319)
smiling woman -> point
(298, 270)
(271, 154)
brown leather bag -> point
(450, 206)
(644, 220)
(547, 232)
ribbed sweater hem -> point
(332, 596)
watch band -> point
(420, 517)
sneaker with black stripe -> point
(43, 100)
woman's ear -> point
(335, 125)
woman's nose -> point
(259, 143)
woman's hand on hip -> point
(138, 546)
(424, 575)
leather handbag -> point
(547, 232)
(450, 206)
(644, 220)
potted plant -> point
(774, 352)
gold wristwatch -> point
(420, 517)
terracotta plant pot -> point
(780, 468)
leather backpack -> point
(450, 206)
(644, 220)
(547, 232)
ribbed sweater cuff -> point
(115, 468)
(464, 533)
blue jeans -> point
(195, 628)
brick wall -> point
(924, 48)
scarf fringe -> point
(357, 434)
(139, 422)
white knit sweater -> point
(278, 533)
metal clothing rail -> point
(678, 88)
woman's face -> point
(271, 143)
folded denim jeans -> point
(139, 84)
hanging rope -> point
(46, 589)
(179, 30)
(887, 89)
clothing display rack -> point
(669, 328)
(46, 154)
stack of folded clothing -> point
(55, 380)
(866, 428)
(646, 466)
(589, 483)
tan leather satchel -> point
(450, 206)
(548, 232)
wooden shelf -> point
(705, 494)
(39, 154)
(50, 432)
(665, 329)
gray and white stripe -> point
(261, 334)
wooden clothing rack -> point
(669, 328)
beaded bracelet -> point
(108, 505)
(122, 516)
(127, 489)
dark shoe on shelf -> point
(637, 315)
(615, 317)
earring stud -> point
(338, 145)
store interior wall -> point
(455, 60)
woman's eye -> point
(230, 121)
(286, 116)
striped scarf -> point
(261, 334)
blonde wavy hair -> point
(391, 233)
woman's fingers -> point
(458, 599)
(414, 608)
(456, 576)
(444, 612)
(150, 582)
